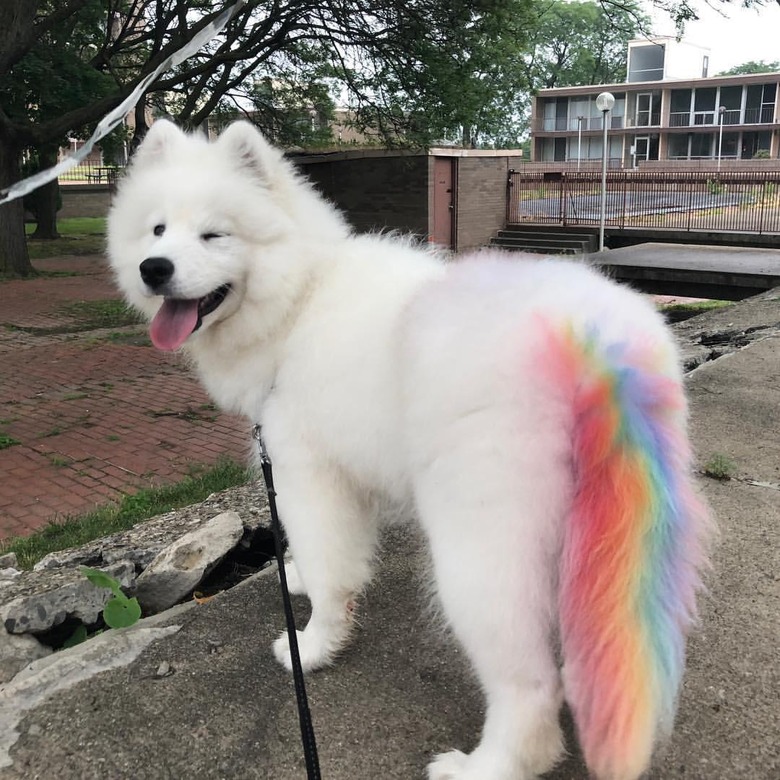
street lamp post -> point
(604, 103)
(580, 120)
(721, 112)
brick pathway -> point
(97, 413)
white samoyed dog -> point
(529, 413)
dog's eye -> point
(209, 236)
(159, 230)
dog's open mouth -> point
(179, 317)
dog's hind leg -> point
(332, 540)
(493, 517)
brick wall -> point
(375, 192)
(84, 200)
(481, 199)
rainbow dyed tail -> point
(632, 552)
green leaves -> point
(101, 579)
(119, 611)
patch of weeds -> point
(676, 312)
(113, 437)
(53, 432)
(59, 461)
(132, 338)
(91, 315)
(7, 441)
(77, 396)
(75, 531)
(719, 467)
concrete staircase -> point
(547, 241)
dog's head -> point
(190, 221)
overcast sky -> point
(741, 35)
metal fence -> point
(91, 173)
(743, 201)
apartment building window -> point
(648, 109)
(760, 104)
(704, 106)
(702, 145)
(731, 99)
(680, 108)
(754, 142)
(705, 66)
(646, 63)
(678, 147)
(730, 147)
(562, 114)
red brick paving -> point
(96, 416)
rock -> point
(718, 332)
(36, 601)
(145, 541)
(18, 651)
(9, 561)
(179, 568)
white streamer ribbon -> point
(115, 117)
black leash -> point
(304, 715)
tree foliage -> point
(753, 66)
(582, 42)
(104, 48)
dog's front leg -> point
(332, 540)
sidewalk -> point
(97, 413)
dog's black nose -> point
(156, 271)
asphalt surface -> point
(208, 700)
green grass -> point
(91, 315)
(75, 531)
(86, 316)
(7, 441)
(78, 236)
(676, 312)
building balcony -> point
(575, 124)
(750, 116)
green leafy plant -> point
(719, 467)
(119, 611)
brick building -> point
(668, 109)
(452, 197)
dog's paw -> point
(315, 650)
(447, 766)
(294, 582)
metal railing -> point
(727, 201)
(91, 173)
(735, 116)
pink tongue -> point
(173, 323)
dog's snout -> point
(156, 271)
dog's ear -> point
(162, 135)
(245, 144)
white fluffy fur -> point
(378, 371)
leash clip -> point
(257, 435)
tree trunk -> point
(47, 198)
(14, 259)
